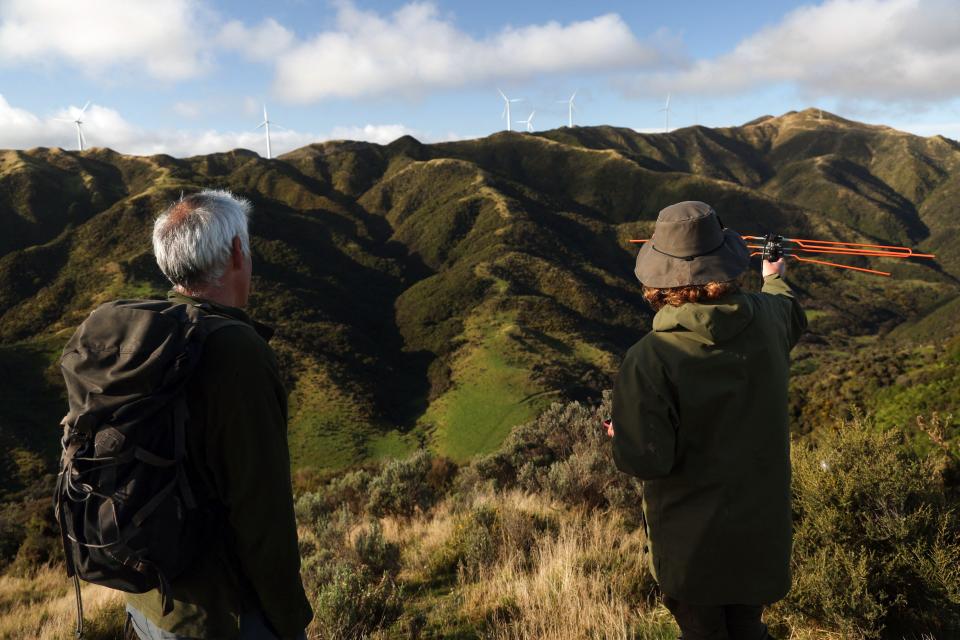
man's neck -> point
(219, 295)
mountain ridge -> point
(437, 294)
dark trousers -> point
(721, 622)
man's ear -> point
(236, 253)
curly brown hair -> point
(676, 296)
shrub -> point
(566, 453)
(406, 486)
(348, 490)
(486, 534)
(352, 603)
(876, 542)
(470, 545)
(376, 553)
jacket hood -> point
(712, 323)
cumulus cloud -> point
(901, 50)
(415, 49)
(106, 127)
(261, 43)
(161, 38)
(379, 133)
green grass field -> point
(490, 394)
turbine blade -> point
(574, 95)
(502, 94)
(265, 118)
(84, 109)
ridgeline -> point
(442, 294)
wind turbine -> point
(666, 108)
(571, 108)
(78, 122)
(528, 122)
(506, 108)
(266, 123)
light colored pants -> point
(253, 626)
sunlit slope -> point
(443, 293)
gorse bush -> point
(876, 537)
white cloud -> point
(416, 49)
(890, 50)
(106, 127)
(379, 133)
(161, 38)
(261, 43)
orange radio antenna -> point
(774, 247)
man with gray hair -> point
(245, 581)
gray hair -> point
(193, 237)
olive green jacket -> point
(700, 415)
(238, 457)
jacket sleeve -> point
(248, 454)
(787, 305)
(645, 418)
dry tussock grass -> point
(582, 581)
(41, 606)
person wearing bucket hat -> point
(700, 416)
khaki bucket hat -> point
(691, 246)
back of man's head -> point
(193, 238)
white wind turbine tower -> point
(506, 108)
(528, 122)
(266, 123)
(78, 122)
(666, 109)
(571, 108)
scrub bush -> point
(352, 604)
(348, 491)
(407, 486)
(376, 553)
(876, 538)
(490, 534)
(565, 453)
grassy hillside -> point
(440, 294)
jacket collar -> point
(265, 331)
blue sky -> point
(191, 76)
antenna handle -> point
(772, 247)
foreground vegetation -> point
(542, 539)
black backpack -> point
(128, 516)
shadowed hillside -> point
(441, 294)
